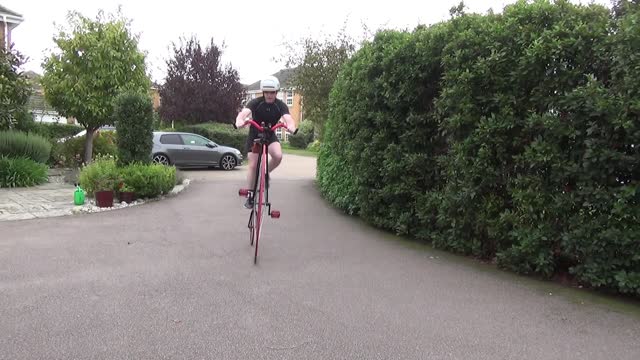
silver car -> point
(191, 150)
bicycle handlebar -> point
(261, 128)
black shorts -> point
(249, 145)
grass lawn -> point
(287, 149)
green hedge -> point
(508, 136)
(222, 134)
(20, 144)
(21, 172)
(134, 128)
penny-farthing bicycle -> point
(260, 190)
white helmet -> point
(270, 83)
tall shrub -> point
(134, 127)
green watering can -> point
(78, 195)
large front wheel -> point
(261, 206)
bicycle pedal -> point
(275, 214)
(243, 192)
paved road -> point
(175, 280)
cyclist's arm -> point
(242, 115)
(291, 124)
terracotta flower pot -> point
(104, 198)
(127, 196)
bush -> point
(23, 120)
(300, 140)
(223, 134)
(55, 131)
(149, 180)
(314, 146)
(134, 128)
(304, 136)
(146, 180)
(21, 172)
(19, 144)
(509, 137)
(100, 175)
(70, 153)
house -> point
(8, 21)
(39, 107)
(287, 94)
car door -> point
(199, 151)
(174, 147)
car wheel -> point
(228, 162)
(161, 159)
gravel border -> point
(90, 204)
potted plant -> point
(104, 186)
(101, 179)
(126, 193)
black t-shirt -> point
(269, 113)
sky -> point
(254, 33)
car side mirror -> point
(211, 145)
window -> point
(289, 97)
(194, 140)
(171, 139)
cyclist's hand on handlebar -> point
(240, 124)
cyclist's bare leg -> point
(275, 151)
(251, 173)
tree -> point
(317, 63)
(197, 87)
(96, 61)
(15, 88)
(621, 7)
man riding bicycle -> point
(268, 109)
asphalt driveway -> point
(175, 279)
